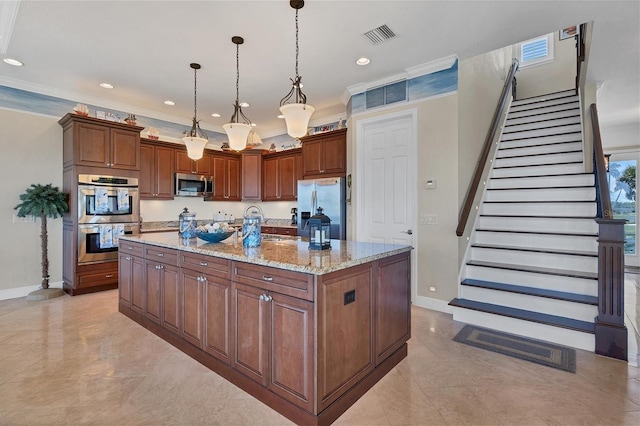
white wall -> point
(30, 152)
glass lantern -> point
(319, 231)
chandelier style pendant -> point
(294, 106)
(196, 139)
(236, 131)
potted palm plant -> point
(43, 201)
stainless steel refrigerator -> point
(328, 193)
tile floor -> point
(76, 360)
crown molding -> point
(431, 67)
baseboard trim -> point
(433, 304)
(14, 293)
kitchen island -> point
(306, 332)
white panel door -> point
(386, 209)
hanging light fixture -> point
(237, 131)
(196, 139)
(297, 113)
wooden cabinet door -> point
(292, 349)
(138, 285)
(334, 153)
(251, 175)
(219, 178)
(169, 276)
(270, 179)
(287, 182)
(217, 329)
(203, 165)
(125, 148)
(146, 184)
(125, 276)
(191, 326)
(250, 332)
(92, 145)
(163, 172)
(153, 309)
(184, 164)
(233, 182)
(312, 157)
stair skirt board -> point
(545, 140)
(539, 149)
(541, 194)
(547, 97)
(558, 335)
(542, 181)
(574, 105)
(549, 282)
(544, 224)
(543, 260)
(543, 305)
(559, 242)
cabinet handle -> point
(204, 279)
(263, 297)
(266, 278)
(129, 248)
(199, 279)
(203, 263)
(268, 298)
(127, 258)
(160, 254)
(109, 276)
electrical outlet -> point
(349, 297)
(430, 184)
(432, 219)
(26, 219)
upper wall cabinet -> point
(251, 176)
(226, 177)
(156, 171)
(88, 141)
(280, 175)
(325, 154)
(184, 164)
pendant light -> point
(237, 131)
(297, 113)
(196, 139)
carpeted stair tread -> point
(532, 291)
(535, 269)
(553, 320)
(512, 231)
(537, 250)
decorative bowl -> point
(213, 237)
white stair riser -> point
(545, 194)
(540, 209)
(543, 305)
(507, 135)
(570, 137)
(583, 226)
(560, 336)
(538, 170)
(543, 181)
(545, 104)
(524, 113)
(539, 149)
(547, 124)
(547, 116)
(528, 279)
(564, 94)
(542, 260)
(570, 157)
(559, 242)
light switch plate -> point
(430, 184)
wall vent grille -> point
(380, 34)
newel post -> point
(611, 333)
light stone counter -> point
(292, 254)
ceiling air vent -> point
(380, 34)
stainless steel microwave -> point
(193, 185)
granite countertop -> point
(289, 253)
(172, 225)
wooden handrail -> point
(495, 125)
(602, 186)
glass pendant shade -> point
(195, 140)
(195, 146)
(297, 118)
(238, 134)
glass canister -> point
(187, 224)
(251, 231)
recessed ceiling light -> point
(106, 85)
(215, 114)
(14, 62)
(281, 116)
(244, 104)
(170, 103)
(363, 61)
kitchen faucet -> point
(255, 210)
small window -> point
(536, 51)
(385, 95)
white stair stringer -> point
(531, 263)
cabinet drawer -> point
(287, 231)
(97, 278)
(134, 249)
(290, 283)
(205, 264)
(162, 255)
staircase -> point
(531, 266)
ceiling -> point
(144, 49)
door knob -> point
(408, 231)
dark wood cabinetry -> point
(163, 291)
(279, 230)
(325, 154)
(156, 171)
(251, 176)
(280, 174)
(184, 164)
(226, 177)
